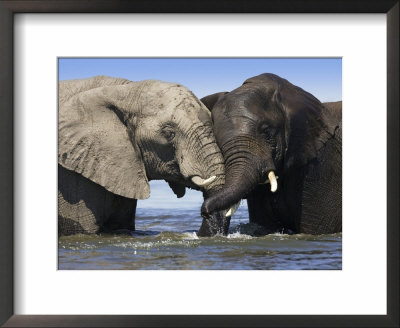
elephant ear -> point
(94, 141)
(308, 123)
(210, 100)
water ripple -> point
(170, 242)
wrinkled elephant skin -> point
(115, 136)
(283, 152)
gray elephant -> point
(283, 152)
(115, 136)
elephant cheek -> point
(201, 157)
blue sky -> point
(320, 76)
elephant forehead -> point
(234, 111)
(178, 113)
(236, 124)
(175, 99)
(155, 98)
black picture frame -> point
(7, 11)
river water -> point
(167, 240)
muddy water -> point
(169, 241)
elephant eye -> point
(168, 134)
(265, 129)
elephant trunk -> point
(245, 168)
(241, 177)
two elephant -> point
(115, 135)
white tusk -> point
(267, 181)
(201, 182)
(233, 209)
(272, 181)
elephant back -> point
(69, 88)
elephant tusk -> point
(272, 181)
(201, 182)
(267, 181)
(232, 209)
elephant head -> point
(265, 128)
(122, 134)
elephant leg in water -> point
(94, 208)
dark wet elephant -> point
(115, 136)
(283, 152)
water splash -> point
(238, 235)
(170, 242)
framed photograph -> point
(157, 216)
(104, 89)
